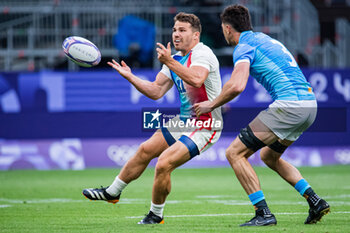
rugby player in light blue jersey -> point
(293, 110)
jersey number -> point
(293, 63)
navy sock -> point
(259, 203)
(306, 191)
(312, 197)
(309, 192)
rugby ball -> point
(81, 51)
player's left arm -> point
(232, 88)
(194, 75)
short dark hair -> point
(189, 18)
(238, 17)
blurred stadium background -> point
(56, 115)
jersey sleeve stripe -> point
(240, 61)
(200, 64)
(167, 74)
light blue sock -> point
(256, 197)
(302, 186)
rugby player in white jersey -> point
(195, 72)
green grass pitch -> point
(202, 200)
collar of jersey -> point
(243, 34)
(180, 58)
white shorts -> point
(197, 140)
(289, 119)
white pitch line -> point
(235, 214)
(341, 196)
(4, 206)
(38, 201)
(128, 201)
(213, 196)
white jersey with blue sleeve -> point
(197, 139)
(273, 66)
(200, 55)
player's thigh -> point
(155, 145)
(262, 132)
(250, 139)
(270, 155)
(285, 142)
(173, 157)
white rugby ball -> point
(81, 51)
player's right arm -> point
(154, 90)
(230, 90)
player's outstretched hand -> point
(202, 107)
(123, 69)
(164, 54)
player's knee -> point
(264, 157)
(231, 153)
(162, 166)
(268, 160)
(145, 151)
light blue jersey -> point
(273, 66)
(186, 106)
